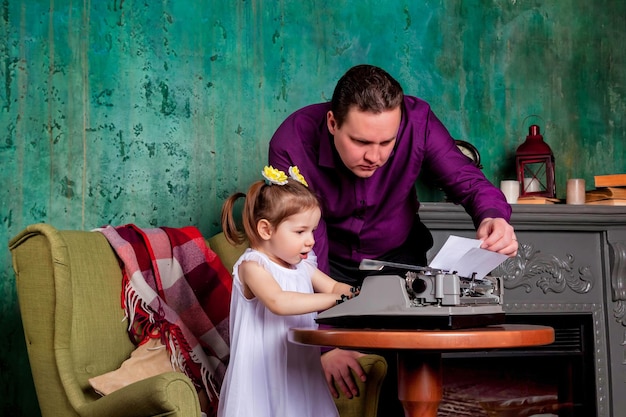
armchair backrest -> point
(228, 254)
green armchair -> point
(69, 285)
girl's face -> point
(292, 240)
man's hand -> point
(497, 236)
(337, 364)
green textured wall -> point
(151, 112)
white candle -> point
(575, 191)
(531, 185)
(510, 189)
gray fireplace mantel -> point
(572, 259)
(530, 216)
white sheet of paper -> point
(480, 261)
(451, 251)
(465, 256)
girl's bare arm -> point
(257, 281)
(324, 284)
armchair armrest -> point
(171, 392)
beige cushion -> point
(149, 359)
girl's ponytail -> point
(233, 235)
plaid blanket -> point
(175, 286)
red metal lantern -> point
(535, 166)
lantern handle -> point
(535, 115)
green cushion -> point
(227, 253)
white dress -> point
(268, 376)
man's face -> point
(365, 140)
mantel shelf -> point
(530, 216)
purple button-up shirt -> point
(367, 217)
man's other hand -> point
(337, 364)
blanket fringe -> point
(141, 318)
(179, 361)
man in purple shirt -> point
(362, 154)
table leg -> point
(419, 383)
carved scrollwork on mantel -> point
(530, 268)
(617, 259)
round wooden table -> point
(419, 353)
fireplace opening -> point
(552, 380)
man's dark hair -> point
(368, 88)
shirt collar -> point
(327, 151)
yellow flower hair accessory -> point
(274, 176)
(294, 173)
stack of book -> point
(610, 190)
(535, 199)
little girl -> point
(276, 286)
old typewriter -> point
(424, 298)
